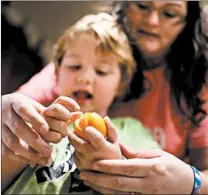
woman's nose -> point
(152, 18)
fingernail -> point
(47, 152)
(107, 118)
(95, 167)
(69, 121)
(43, 161)
(49, 162)
(44, 128)
(77, 106)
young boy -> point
(94, 66)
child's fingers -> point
(96, 138)
(111, 131)
(67, 102)
(79, 144)
(57, 111)
(74, 116)
(52, 136)
(57, 125)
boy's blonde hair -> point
(111, 39)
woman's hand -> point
(27, 126)
(98, 148)
(21, 125)
(24, 126)
(148, 172)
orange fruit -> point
(89, 119)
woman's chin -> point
(152, 52)
(150, 49)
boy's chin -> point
(85, 108)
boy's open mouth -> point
(82, 95)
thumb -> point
(127, 153)
(30, 111)
(145, 154)
(111, 130)
(39, 107)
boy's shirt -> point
(62, 176)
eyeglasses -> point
(165, 14)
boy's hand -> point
(97, 148)
(58, 116)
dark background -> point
(28, 31)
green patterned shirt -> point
(59, 178)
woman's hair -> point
(111, 40)
(187, 66)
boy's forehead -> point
(107, 57)
(100, 55)
(87, 44)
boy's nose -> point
(86, 77)
(83, 80)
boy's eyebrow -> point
(104, 63)
(104, 60)
(72, 55)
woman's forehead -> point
(181, 4)
(178, 3)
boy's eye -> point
(101, 72)
(75, 67)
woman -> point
(171, 66)
(171, 99)
(170, 77)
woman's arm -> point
(21, 143)
(199, 159)
(42, 87)
(152, 172)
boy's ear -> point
(119, 91)
(56, 72)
